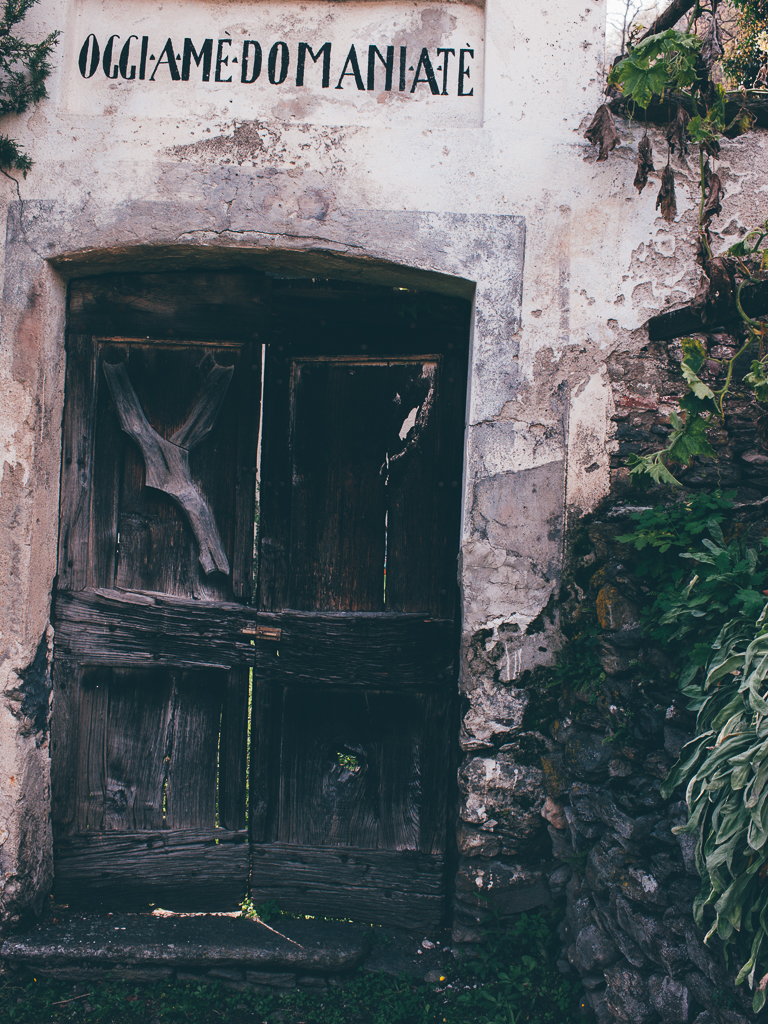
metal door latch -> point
(263, 632)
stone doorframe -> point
(513, 491)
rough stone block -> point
(558, 881)
(502, 789)
(472, 842)
(225, 974)
(495, 710)
(498, 887)
(594, 949)
(615, 610)
(552, 811)
(578, 910)
(586, 756)
(562, 847)
(670, 999)
(599, 1004)
(627, 995)
(311, 981)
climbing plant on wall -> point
(676, 68)
(714, 617)
(24, 67)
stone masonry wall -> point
(560, 783)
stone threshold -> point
(226, 948)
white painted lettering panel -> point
(317, 62)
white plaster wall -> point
(112, 177)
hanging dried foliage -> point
(603, 132)
(644, 163)
(666, 198)
(716, 290)
(712, 198)
(677, 135)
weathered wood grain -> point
(214, 306)
(66, 679)
(192, 869)
(77, 462)
(193, 765)
(103, 627)
(378, 886)
(338, 499)
(167, 461)
(350, 768)
(233, 751)
(679, 322)
(137, 736)
(422, 542)
(385, 650)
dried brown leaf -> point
(676, 132)
(644, 163)
(712, 204)
(603, 132)
(666, 197)
(716, 290)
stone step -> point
(223, 947)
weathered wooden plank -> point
(275, 489)
(233, 751)
(418, 501)
(377, 886)
(192, 870)
(438, 749)
(679, 322)
(266, 714)
(193, 766)
(137, 735)
(384, 650)
(213, 306)
(247, 396)
(91, 783)
(64, 748)
(424, 487)
(112, 627)
(77, 462)
(350, 769)
(110, 446)
(338, 496)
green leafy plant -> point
(663, 61)
(725, 772)
(687, 605)
(746, 58)
(707, 607)
(24, 68)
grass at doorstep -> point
(513, 980)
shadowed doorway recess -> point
(255, 662)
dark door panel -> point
(153, 631)
(353, 709)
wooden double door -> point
(254, 674)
